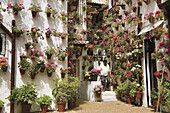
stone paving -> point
(106, 107)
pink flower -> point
(47, 65)
(69, 68)
(2, 64)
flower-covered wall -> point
(35, 29)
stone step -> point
(108, 96)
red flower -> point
(69, 62)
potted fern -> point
(44, 101)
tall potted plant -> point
(1, 105)
(60, 92)
(25, 95)
(74, 84)
(44, 101)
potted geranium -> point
(16, 7)
(97, 90)
(3, 64)
(150, 17)
(44, 101)
(49, 52)
(25, 95)
(50, 68)
(49, 32)
(93, 74)
(18, 31)
(62, 54)
(23, 65)
(41, 65)
(33, 53)
(34, 9)
(63, 72)
(27, 45)
(1, 105)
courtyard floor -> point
(83, 106)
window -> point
(2, 43)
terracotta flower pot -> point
(42, 69)
(151, 20)
(33, 76)
(61, 106)
(158, 1)
(27, 47)
(128, 99)
(44, 108)
(47, 35)
(62, 75)
(34, 13)
(4, 69)
(146, 1)
(18, 34)
(98, 95)
(49, 56)
(15, 12)
(134, 9)
(49, 74)
(86, 79)
(48, 14)
(26, 108)
(22, 72)
(140, 3)
(94, 78)
(0, 109)
(138, 94)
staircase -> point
(108, 96)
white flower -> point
(133, 69)
(138, 84)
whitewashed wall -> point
(24, 19)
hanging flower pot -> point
(86, 79)
(27, 46)
(18, 34)
(140, 3)
(146, 1)
(94, 78)
(117, 12)
(47, 35)
(158, 1)
(15, 12)
(4, 69)
(120, 16)
(22, 72)
(83, 67)
(126, 13)
(22, 57)
(48, 14)
(61, 106)
(42, 69)
(134, 9)
(49, 74)
(34, 13)
(122, 6)
(33, 75)
(151, 20)
(0, 109)
(49, 56)
(62, 75)
(140, 24)
(63, 59)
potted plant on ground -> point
(25, 95)
(50, 68)
(60, 92)
(3, 64)
(35, 9)
(74, 84)
(44, 101)
(41, 65)
(15, 7)
(23, 65)
(1, 105)
(97, 90)
(49, 52)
